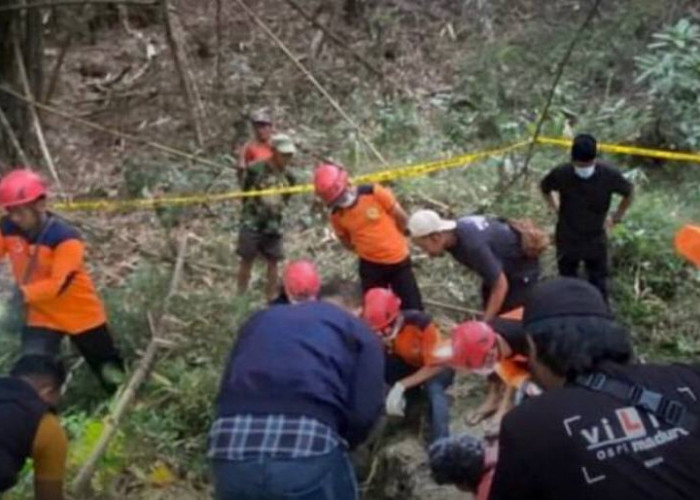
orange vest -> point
(370, 226)
(256, 151)
(417, 340)
(58, 293)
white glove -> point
(396, 401)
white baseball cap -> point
(426, 222)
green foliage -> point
(671, 69)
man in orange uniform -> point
(30, 428)
(57, 295)
(258, 148)
(370, 222)
(411, 338)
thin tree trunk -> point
(186, 83)
(218, 83)
(65, 45)
(34, 51)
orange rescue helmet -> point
(330, 181)
(688, 243)
(20, 187)
(472, 341)
(381, 308)
(301, 279)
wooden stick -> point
(111, 424)
(335, 38)
(312, 79)
(13, 138)
(65, 45)
(218, 84)
(66, 3)
(128, 137)
(452, 307)
(180, 66)
(35, 119)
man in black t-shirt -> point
(488, 246)
(585, 188)
(605, 428)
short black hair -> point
(349, 291)
(40, 366)
(458, 460)
(584, 148)
(574, 345)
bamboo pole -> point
(13, 138)
(35, 119)
(112, 423)
(312, 79)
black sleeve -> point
(550, 182)
(514, 478)
(620, 185)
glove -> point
(396, 401)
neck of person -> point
(450, 238)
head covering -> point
(564, 297)
(584, 148)
(261, 116)
(426, 222)
(283, 144)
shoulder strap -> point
(668, 410)
(34, 256)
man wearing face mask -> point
(370, 222)
(585, 188)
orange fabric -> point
(417, 346)
(688, 243)
(50, 449)
(514, 314)
(370, 227)
(59, 294)
(255, 151)
(512, 371)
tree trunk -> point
(13, 110)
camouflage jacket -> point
(263, 214)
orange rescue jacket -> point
(59, 294)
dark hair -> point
(457, 460)
(584, 148)
(348, 291)
(573, 345)
(40, 366)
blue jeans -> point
(325, 477)
(439, 405)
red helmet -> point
(329, 182)
(301, 279)
(20, 187)
(381, 308)
(471, 343)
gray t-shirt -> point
(489, 246)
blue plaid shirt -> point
(242, 437)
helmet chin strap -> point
(398, 325)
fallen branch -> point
(67, 3)
(13, 138)
(35, 118)
(335, 38)
(452, 307)
(112, 422)
(312, 79)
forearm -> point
(622, 208)
(422, 375)
(551, 202)
(400, 217)
(497, 298)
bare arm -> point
(48, 490)
(551, 202)
(499, 290)
(422, 375)
(622, 208)
(400, 217)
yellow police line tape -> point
(389, 174)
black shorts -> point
(399, 277)
(251, 243)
